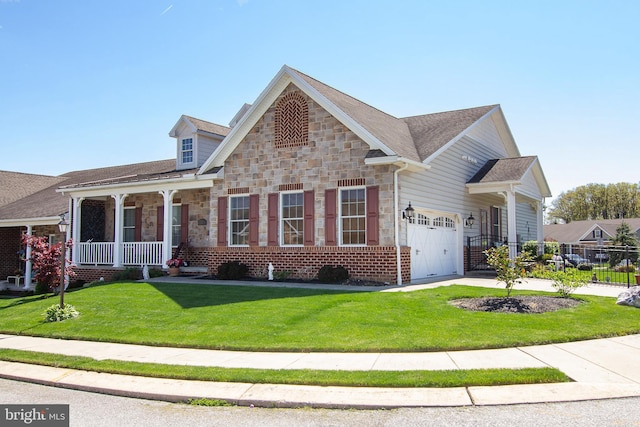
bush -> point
(76, 284)
(281, 275)
(155, 272)
(625, 268)
(331, 274)
(41, 288)
(585, 267)
(566, 282)
(129, 273)
(57, 314)
(232, 270)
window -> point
(176, 225)
(187, 150)
(129, 225)
(496, 222)
(597, 234)
(292, 219)
(239, 220)
(353, 216)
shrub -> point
(331, 274)
(281, 275)
(76, 284)
(57, 314)
(156, 272)
(566, 282)
(585, 267)
(625, 268)
(232, 270)
(129, 273)
(546, 257)
(41, 288)
(509, 271)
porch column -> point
(28, 264)
(540, 223)
(117, 232)
(166, 233)
(512, 235)
(75, 221)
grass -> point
(452, 378)
(287, 319)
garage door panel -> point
(433, 248)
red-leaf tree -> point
(46, 260)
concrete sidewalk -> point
(604, 368)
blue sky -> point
(86, 84)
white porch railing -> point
(132, 253)
(142, 253)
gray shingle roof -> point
(575, 230)
(503, 170)
(49, 203)
(16, 185)
(432, 131)
(415, 138)
(209, 126)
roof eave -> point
(396, 161)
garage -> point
(434, 249)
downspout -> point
(396, 198)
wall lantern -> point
(409, 213)
(468, 223)
(63, 224)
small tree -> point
(566, 282)
(511, 272)
(46, 261)
(624, 237)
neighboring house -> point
(589, 232)
(308, 176)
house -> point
(589, 232)
(307, 176)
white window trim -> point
(174, 244)
(181, 151)
(230, 221)
(339, 215)
(281, 218)
(124, 227)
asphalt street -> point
(97, 410)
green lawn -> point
(452, 378)
(284, 319)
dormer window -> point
(187, 150)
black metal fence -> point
(605, 264)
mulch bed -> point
(515, 304)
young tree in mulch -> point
(511, 272)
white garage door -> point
(433, 242)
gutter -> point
(396, 201)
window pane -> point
(239, 220)
(353, 220)
(176, 227)
(292, 217)
(129, 217)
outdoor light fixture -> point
(409, 213)
(62, 225)
(469, 221)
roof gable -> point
(432, 132)
(198, 125)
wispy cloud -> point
(242, 2)
(164, 11)
(9, 1)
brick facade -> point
(376, 263)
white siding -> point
(526, 222)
